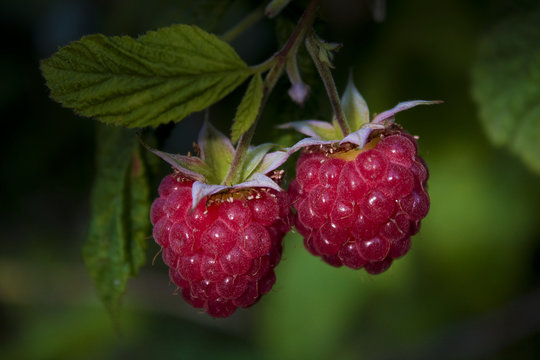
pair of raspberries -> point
(357, 208)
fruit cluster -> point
(359, 194)
(353, 207)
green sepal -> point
(191, 166)
(354, 107)
(321, 130)
(326, 51)
(217, 152)
(270, 161)
(254, 157)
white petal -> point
(298, 92)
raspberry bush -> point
(221, 216)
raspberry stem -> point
(314, 46)
(252, 18)
(279, 61)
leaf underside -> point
(159, 77)
(116, 244)
(506, 86)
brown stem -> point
(313, 45)
(280, 58)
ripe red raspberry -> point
(359, 208)
(222, 254)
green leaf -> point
(159, 77)
(115, 248)
(506, 86)
(248, 109)
(138, 205)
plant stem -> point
(251, 19)
(280, 60)
(313, 45)
(264, 66)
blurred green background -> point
(468, 289)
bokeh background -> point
(468, 289)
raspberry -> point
(359, 208)
(223, 254)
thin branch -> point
(251, 19)
(280, 58)
(313, 45)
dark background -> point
(468, 289)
